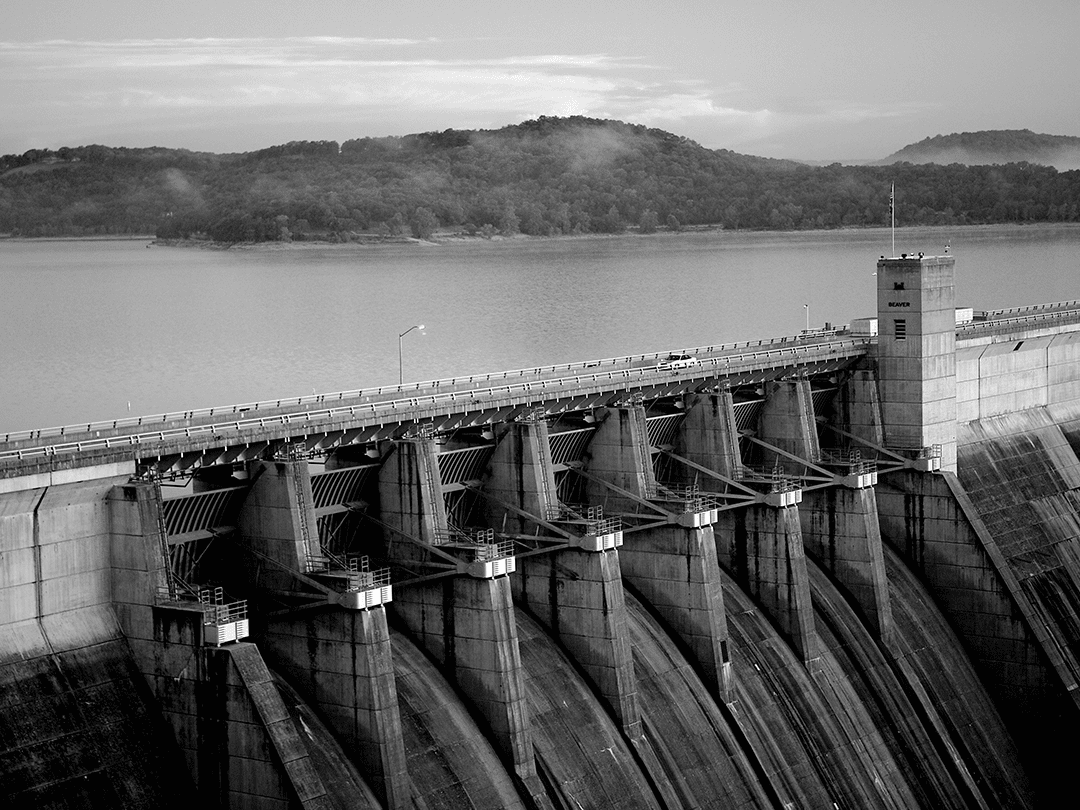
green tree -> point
(509, 224)
(423, 223)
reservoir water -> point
(95, 330)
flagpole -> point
(892, 215)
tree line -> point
(543, 177)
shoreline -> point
(459, 238)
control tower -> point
(916, 353)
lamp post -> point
(400, 372)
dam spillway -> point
(840, 569)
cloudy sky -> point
(809, 79)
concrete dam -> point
(840, 570)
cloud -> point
(75, 89)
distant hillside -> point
(544, 177)
(995, 146)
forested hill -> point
(994, 146)
(542, 177)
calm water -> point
(88, 327)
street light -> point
(400, 372)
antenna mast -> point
(892, 215)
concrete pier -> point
(578, 596)
(675, 569)
(787, 422)
(342, 660)
(709, 436)
(465, 623)
(277, 522)
(520, 474)
(840, 530)
(860, 407)
(762, 546)
(410, 491)
(619, 454)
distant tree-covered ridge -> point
(996, 146)
(543, 177)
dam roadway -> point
(372, 414)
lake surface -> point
(102, 329)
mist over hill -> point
(544, 177)
(996, 146)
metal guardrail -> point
(772, 477)
(430, 386)
(1036, 315)
(400, 407)
(1060, 305)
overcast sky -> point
(809, 79)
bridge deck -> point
(323, 413)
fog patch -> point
(178, 183)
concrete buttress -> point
(762, 546)
(410, 491)
(619, 453)
(578, 596)
(787, 422)
(675, 569)
(860, 407)
(277, 522)
(466, 624)
(342, 661)
(520, 474)
(840, 530)
(710, 437)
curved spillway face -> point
(817, 750)
(949, 693)
(451, 764)
(580, 753)
(854, 661)
(702, 756)
(345, 787)
(900, 724)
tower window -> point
(900, 329)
